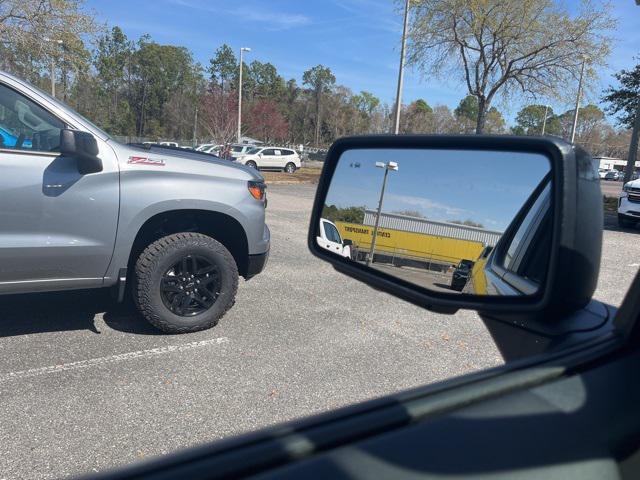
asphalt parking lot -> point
(86, 385)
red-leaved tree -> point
(265, 122)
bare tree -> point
(534, 47)
(24, 26)
(218, 115)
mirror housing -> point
(576, 241)
(82, 146)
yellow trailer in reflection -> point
(402, 238)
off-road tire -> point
(154, 261)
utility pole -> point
(633, 147)
(544, 120)
(387, 166)
(243, 49)
(575, 112)
(396, 121)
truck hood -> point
(180, 159)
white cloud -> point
(272, 20)
(269, 19)
(427, 205)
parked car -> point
(244, 149)
(329, 238)
(272, 158)
(602, 172)
(175, 227)
(169, 144)
(214, 149)
(629, 204)
(614, 175)
(204, 146)
(461, 274)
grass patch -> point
(610, 204)
(303, 175)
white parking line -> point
(93, 362)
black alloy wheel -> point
(190, 286)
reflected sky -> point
(443, 185)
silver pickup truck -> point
(79, 210)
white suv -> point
(271, 157)
(629, 204)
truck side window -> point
(25, 125)
(332, 233)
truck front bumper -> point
(256, 264)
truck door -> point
(57, 226)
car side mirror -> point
(82, 146)
(419, 208)
(347, 242)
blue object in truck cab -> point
(10, 140)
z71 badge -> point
(156, 162)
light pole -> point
(544, 120)
(53, 66)
(396, 121)
(195, 128)
(575, 112)
(242, 50)
(387, 166)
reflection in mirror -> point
(476, 222)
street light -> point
(53, 66)
(387, 166)
(243, 49)
(544, 120)
(575, 112)
(396, 120)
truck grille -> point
(634, 197)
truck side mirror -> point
(82, 146)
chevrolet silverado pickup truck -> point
(172, 228)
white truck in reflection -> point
(329, 238)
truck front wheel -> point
(185, 282)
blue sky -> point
(424, 181)
(358, 39)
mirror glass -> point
(455, 221)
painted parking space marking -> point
(94, 362)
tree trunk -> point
(317, 133)
(633, 147)
(482, 115)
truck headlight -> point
(257, 190)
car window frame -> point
(495, 260)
